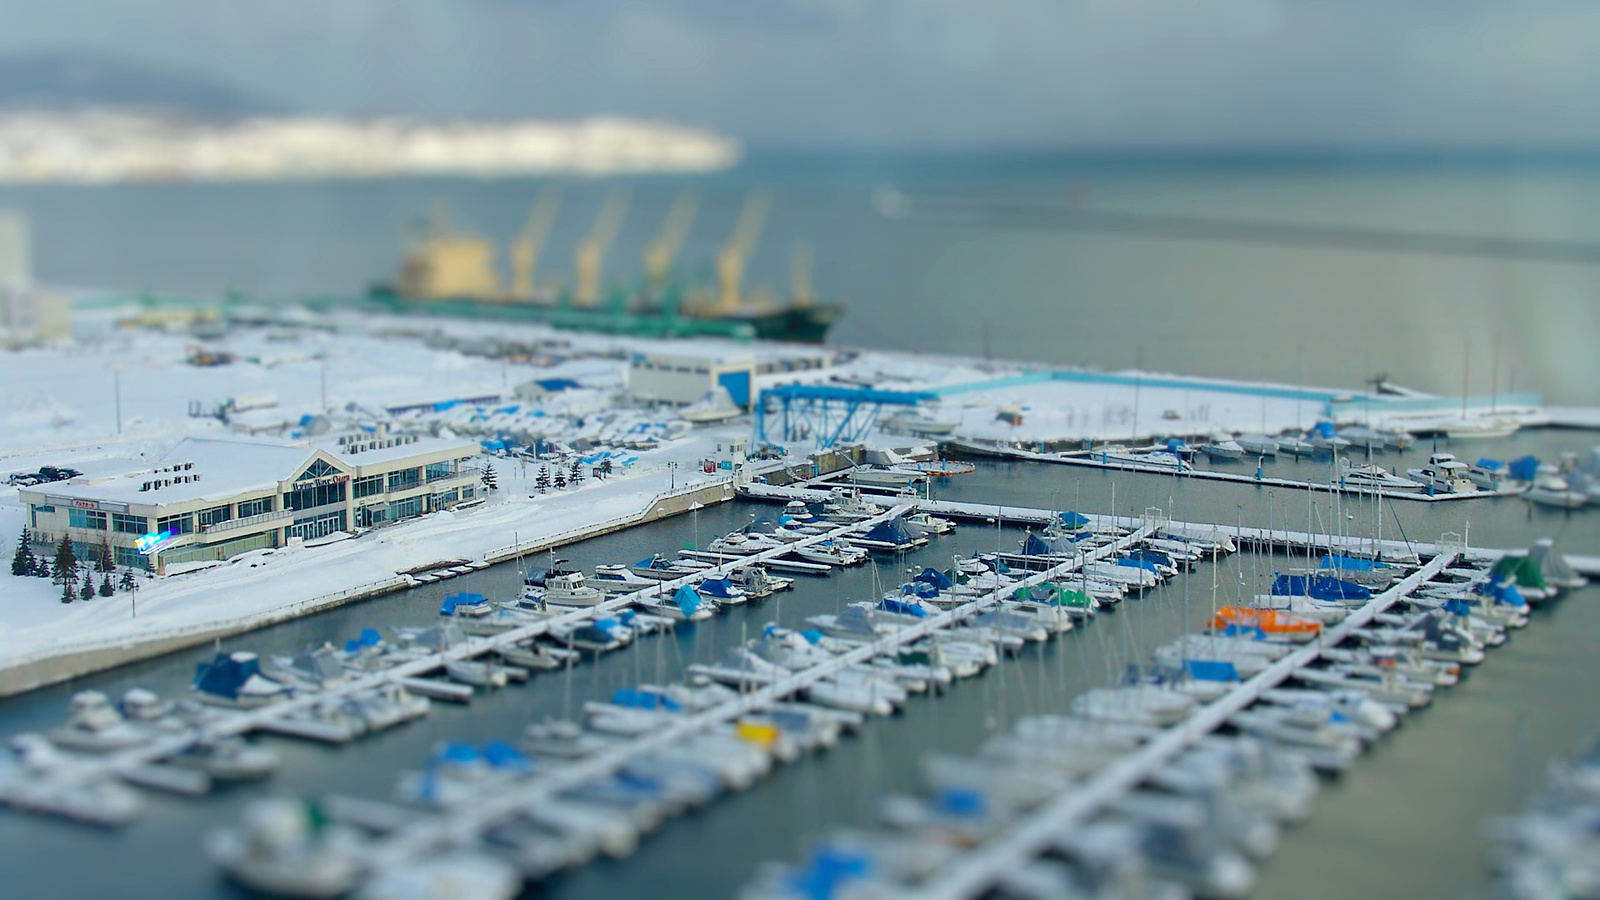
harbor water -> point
(1404, 822)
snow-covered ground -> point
(60, 406)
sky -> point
(918, 74)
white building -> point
(684, 375)
(217, 498)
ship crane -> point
(663, 251)
(731, 258)
(525, 246)
(592, 250)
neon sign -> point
(150, 543)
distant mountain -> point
(78, 79)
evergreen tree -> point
(68, 594)
(66, 563)
(490, 481)
(127, 582)
(45, 570)
(542, 481)
(604, 471)
(561, 480)
(22, 560)
(106, 589)
(575, 476)
(108, 560)
(87, 591)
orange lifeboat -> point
(1275, 624)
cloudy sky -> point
(911, 74)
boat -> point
(235, 680)
(926, 524)
(1369, 476)
(448, 273)
(1444, 474)
(886, 476)
(457, 874)
(36, 776)
(1325, 439)
(836, 552)
(1469, 429)
(1257, 444)
(95, 726)
(1155, 459)
(283, 847)
(1364, 438)
(1492, 475)
(614, 578)
(230, 758)
(722, 591)
(1295, 446)
(1222, 448)
(569, 587)
(1550, 489)
(686, 605)
(659, 568)
(466, 606)
(1273, 624)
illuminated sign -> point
(152, 542)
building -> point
(27, 314)
(684, 376)
(210, 499)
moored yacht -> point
(1443, 474)
(1374, 477)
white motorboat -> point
(459, 875)
(1324, 439)
(1491, 475)
(95, 726)
(282, 848)
(837, 552)
(1369, 476)
(1295, 446)
(685, 606)
(569, 587)
(1154, 459)
(1364, 438)
(229, 758)
(619, 579)
(886, 476)
(38, 777)
(1223, 448)
(1443, 474)
(1257, 444)
(1550, 489)
(925, 524)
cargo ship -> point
(449, 273)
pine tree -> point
(127, 582)
(575, 476)
(22, 560)
(66, 563)
(561, 480)
(107, 560)
(106, 589)
(542, 480)
(490, 481)
(604, 471)
(68, 594)
(87, 591)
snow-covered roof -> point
(218, 469)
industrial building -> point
(210, 499)
(684, 376)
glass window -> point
(440, 470)
(405, 478)
(312, 496)
(318, 469)
(127, 556)
(366, 487)
(122, 523)
(259, 506)
(317, 526)
(183, 524)
(405, 509)
(86, 518)
(215, 514)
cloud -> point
(920, 73)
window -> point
(85, 553)
(317, 526)
(131, 558)
(405, 509)
(86, 518)
(122, 523)
(366, 487)
(41, 508)
(438, 470)
(368, 516)
(405, 478)
(183, 524)
(215, 514)
(318, 469)
(312, 496)
(256, 507)
(467, 493)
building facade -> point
(213, 499)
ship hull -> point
(803, 324)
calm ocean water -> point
(1220, 308)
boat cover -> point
(1320, 587)
(934, 577)
(687, 599)
(1524, 468)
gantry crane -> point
(592, 250)
(663, 251)
(731, 258)
(525, 246)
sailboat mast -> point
(1466, 360)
